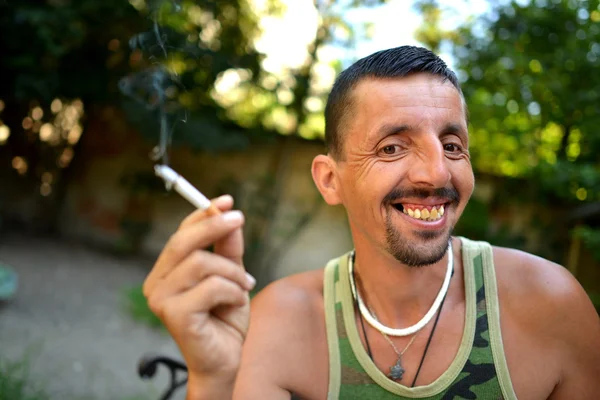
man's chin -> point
(431, 235)
(422, 249)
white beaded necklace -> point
(419, 325)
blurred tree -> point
(430, 32)
(529, 75)
(530, 79)
(50, 50)
(174, 60)
(201, 54)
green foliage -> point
(51, 49)
(191, 43)
(590, 238)
(531, 83)
(595, 297)
(82, 49)
(475, 224)
(137, 307)
(430, 32)
(15, 382)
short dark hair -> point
(385, 64)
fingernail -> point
(251, 281)
(233, 216)
(225, 197)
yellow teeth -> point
(424, 214)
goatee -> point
(413, 255)
(435, 243)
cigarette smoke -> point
(156, 87)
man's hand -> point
(202, 297)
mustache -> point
(451, 194)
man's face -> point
(405, 175)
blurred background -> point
(231, 94)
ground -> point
(68, 318)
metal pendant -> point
(396, 372)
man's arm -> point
(550, 328)
(578, 325)
(286, 349)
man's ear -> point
(324, 174)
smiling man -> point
(411, 312)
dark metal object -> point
(396, 371)
(147, 369)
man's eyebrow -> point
(386, 130)
(392, 129)
(455, 128)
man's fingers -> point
(231, 246)
(223, 203)
(198, 236)
(214, 291)
(198, 266)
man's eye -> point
(451, 147)
(389, 149)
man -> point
(401, 316)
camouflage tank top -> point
(479, 370)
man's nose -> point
(430, 164)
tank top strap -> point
(487, 362)
(333, 318)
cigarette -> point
(175, 181)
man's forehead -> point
(413, 87)
(407, 97)
(377, 102)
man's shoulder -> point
(298, 291)
(522, 273)
(291, 298)
(287, 328)
(294, 288)
(548, 321)
(540, 293)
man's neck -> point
(398, 294)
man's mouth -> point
(422, 212)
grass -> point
(137, 307)
(15, 382)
